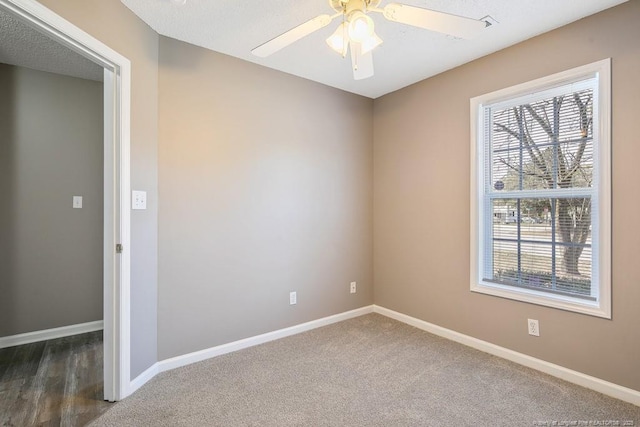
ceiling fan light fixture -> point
(370, 43)
(338, 41)
(360, 27)
(357, 32)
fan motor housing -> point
(343, 5)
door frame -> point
(117, 101)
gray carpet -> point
(368, 371)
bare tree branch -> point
(528, 140)
(537, 157)
(546, 126)
(585, 121)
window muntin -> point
(532, 253)
(538, 183)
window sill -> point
(577, 305)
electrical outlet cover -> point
(77, 202)
(139, 200)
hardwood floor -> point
(52, 383)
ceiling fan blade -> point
(292, 36)
(362, 64)
(458, 26)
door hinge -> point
(118, 248)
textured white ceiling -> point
(23, 46)
(408, 54)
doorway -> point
(116, 222)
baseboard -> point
(593, 383)
(143, 378)
(575, 377)
(198, 356)
(49, 334)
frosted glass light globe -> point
(360, 27)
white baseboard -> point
(198, 356)
(49, 334)
(143, 378)
(575, 377)
(593, 383)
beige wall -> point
(116, 26)
(421, 201)
(50, 150)
(265, 188)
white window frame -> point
(601, 228)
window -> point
(540, 188)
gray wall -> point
(50, 150)
(421, 209)
(113, 24)
(265, 188)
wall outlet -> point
(77, 202)
(138, 199)
(534, 327)
(293, 298)
(353, 289)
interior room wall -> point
(50, 150)
(220, 277)
(422, 199)
(116, 26)
(265, 188)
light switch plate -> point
(138, 199)
(77, 202)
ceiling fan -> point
(356, 33)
